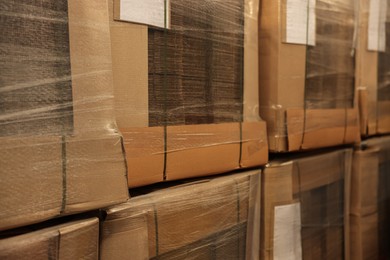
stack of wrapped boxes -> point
(181, 129)
(308, 99)
(101, 96)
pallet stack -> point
(181, 129)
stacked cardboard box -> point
(305, 205)
(74, 240)
(208, 219)
(189, 87)
(307, 94)
(370, 200)
(373, 66)
(181, 80)
(60, 151)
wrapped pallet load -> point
(305, 206)
(215, 218)
(60, 150)
(186, 87)
(373, 66)
(370, 200)
(307, 91)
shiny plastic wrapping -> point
(187, 82)
(74, 240)
(370, 200)
(373, 66)
(215, 218)
(306, 73)
(305, 206)
(60, 150)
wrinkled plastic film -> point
(307, 73)
(208, 219)
(307, 218)
(193, 85)
(196, 67)
(36, 91)
(330, 65)
(58, 138)
(73, 240)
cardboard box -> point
(307, 94)
(214, 218)
(195, 123)
(372, 64)
(370, 198)
(73, 240)
(305, 205)
(60, 150)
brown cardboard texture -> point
(307, 106)
(322, 194)
(177, 151)
(373, 111)
(369, 199)
(71, 159)
(74, 240)
(222, 212)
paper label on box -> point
(301, 22)
(287, 232)
(377, 25)
(150, 12)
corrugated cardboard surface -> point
(48, 174)
(291, 80)
(43, 177)
(323, 194)
(36, 90)
(182, 151)
(74, 240)
(210, 217)
(370, 200)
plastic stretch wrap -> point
(73, 240)
(207, 219)
(307, 73)
(305, 205)
(187, 82)
(373, 66)
(370, 200)
(60, 151)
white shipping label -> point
(301, 22)
(287, 232)
(150, 12)
(377, 25)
